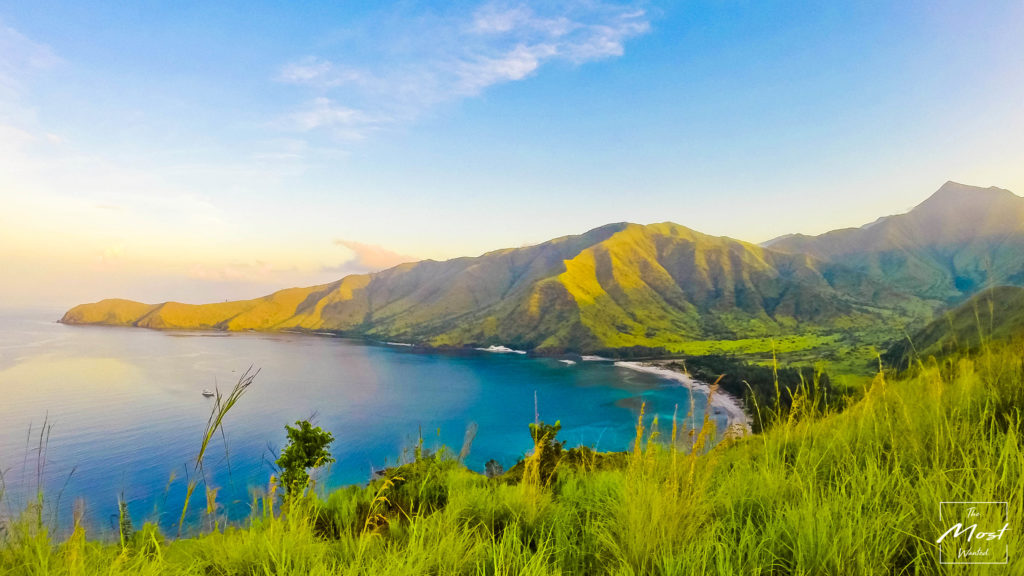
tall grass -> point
(851, 493)
(223, 403)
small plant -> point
(125, 529)
(493, 468)
(377, 518)
(221, 406)
(547, 451)
(307, 448)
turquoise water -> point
(126, 414)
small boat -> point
(207, 393)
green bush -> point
(307, 448)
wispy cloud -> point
(13, 140)
(448, 57)
(324, 113)
(20, 60)
(20, 56)
(314, 71)
(368, 257)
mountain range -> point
(658, 286)
(958, 240)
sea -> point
(92, 415)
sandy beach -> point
(729, 404)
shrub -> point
(307, 448)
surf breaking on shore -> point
(732, 406)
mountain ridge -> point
(617, 286)
(655, 286)
(954, 242)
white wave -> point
(501, 350)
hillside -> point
(618, 286)
(959, 240)
(992, 316)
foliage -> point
(547, 450)
(125, 530)
(993, 316)
(493, 469)
(768, 391)
(306, 448)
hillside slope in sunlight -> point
(617, 286)
(994, 316)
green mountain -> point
(618, 286)
(995, 315)
(954, 243)
(623, 286)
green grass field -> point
(851, 359)
(856, 492)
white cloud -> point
(20, 56)
(498, 18)
(313, 71)
(324, 113)
(451, 57)
(370, 257)
(305, 71)
(518, 63)
(13, 139)
(493, 18)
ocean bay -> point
(127, 415)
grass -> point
(222, 404)
(849, 356)
(856, 492)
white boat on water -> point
(207, 393)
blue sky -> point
(196, 152)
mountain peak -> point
(954, 195)
(959, 239)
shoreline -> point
(732, 406)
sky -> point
(199, 151)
